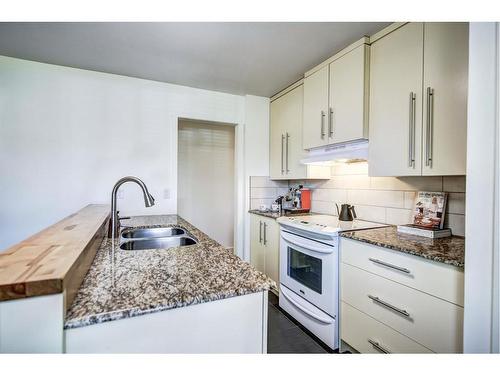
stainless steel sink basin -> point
(157, 243)
(152, 232)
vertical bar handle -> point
(265, 233)
(260, 231)
(282, 140)
(287, 138)
(323, 124)
(330, 123)
(411, 131)
(429, 127)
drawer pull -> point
(377, 346)
(388, 305)
(402, 269)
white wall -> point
(481, 318)
(206, 178)
(67, 135)
(256, 152)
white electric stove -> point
(309, 270)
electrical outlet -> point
(166, 194)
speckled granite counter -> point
(275, 215)
(147, 281)
(271, 214)
(450, 250)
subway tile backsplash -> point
(381, 199)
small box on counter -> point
(424, 232)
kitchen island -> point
(199, 298)
(114, 306)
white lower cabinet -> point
(264, 245)
(386, 310)
(368, 335)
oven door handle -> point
(325, 320)
(307, 244)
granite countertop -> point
(275, 214)
(271, 214)
(449, 250)
(147, 281)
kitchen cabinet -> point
(286, 138)
(336, 99)
(264, 245)
(446, 54)
(418, 100)
(399, 303)
(315, 109)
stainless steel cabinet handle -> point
(287, 137)
(382, 263)
(389, 306)
(411, 132)
(260, 231)
(265, 233)
(330, 123)
(377, 346)
(282, 140)
(429, 127)
(323, 124)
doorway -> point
(206, 177)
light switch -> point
(120, 194)
(166, 194)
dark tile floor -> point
(285, 335)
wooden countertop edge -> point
(72, 275)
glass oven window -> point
(305, 269)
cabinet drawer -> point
(430, 321)
(439, 279)
(364, 334)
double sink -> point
(155, 238)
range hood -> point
(347, 152)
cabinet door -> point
(395, 120)
(445, 106)
(257, 251)
(276, 139)
(286, 136)
(348, 108)
(272, 249)
(316, 109)
(293, 134)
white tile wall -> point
(265, 191)
(386, 199)
(381, 199)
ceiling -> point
(238, 58)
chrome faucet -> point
(115, 220)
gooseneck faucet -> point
(115, 220)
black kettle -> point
(346, 212)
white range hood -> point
(352, 151)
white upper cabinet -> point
(418, 100)
(445, 103)
(396, 103)
(316, 109)
(348, 104)
(336, 99)
(286, 139)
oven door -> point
(310, 269)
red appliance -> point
(305, 198)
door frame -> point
(239, 173)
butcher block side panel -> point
(55, 259)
